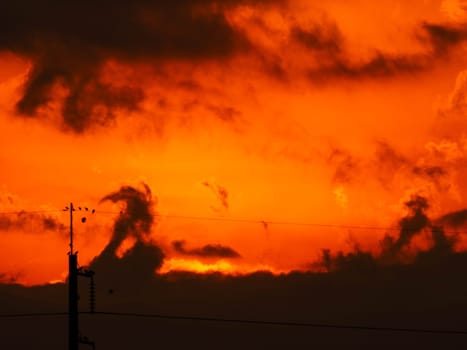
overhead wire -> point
(283, 323)
(246, 322)
(34, 314)
(266, 223)
(18, 212)
(280, 223)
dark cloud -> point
(384, 164)
(379, 66)
(139, 263)
(329, 55)
(355, 260)
(455, 219)
(136, 219)
(454, 112)
(433, 172)
(386, 154)
(8, 278)
(410, 226)
(220, 192)
(207, 251)
(323, 38)
(226, 114)
(394, 249)
(387, 163)
(443, 38)
(70, 42)
(328, 45)
(346, 166)
(442, 244)
(30, 222)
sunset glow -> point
(266, 131)
(221, 266)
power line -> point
(250, 322)
(19, 212)
(265, 223)
(285, 323)
(34, 314)
(283, 223)
(272, 222)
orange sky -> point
(327, 114)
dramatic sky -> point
(218, 128)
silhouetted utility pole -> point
(73, 272)
(73, 333)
